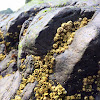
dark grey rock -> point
(81, 59)
(40, 34)
(41, 19)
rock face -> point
(9, 86)
(31, 30)
(27, 92)
(9, 64)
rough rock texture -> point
(27, 92)
(6, 68)
(9, 86)
(31, 30)
(29, 63)
(82, 42)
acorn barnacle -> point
(69, 41)
(76, 24)
(44, 78)
(91, 98)
(60, 30)
(85, 19)
(53, 88)
(22, 86)
(86, 98)
(99, 72)
(17, 97)
(52, 51)
(64, 25)
(57, 51)
(56, 38)
(0, 76)
(72, 97)
(62, 34)
(55, 46)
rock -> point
(86, 3)
(25, 26)
(2, 48)
(98, 96)
(35, 42)
(81, 59)
(28, 91)
(12, 68)
(11, 26)
(6, 65)
(9, 86)
(29, 68)
(31, 30)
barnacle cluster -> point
(46, 89)
(65, 34)
(2, 56)
(91, 81)
(1, 35)
(17, 98)
(90, 87)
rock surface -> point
(31, 30)
(9, 86)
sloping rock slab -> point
(9, 85)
